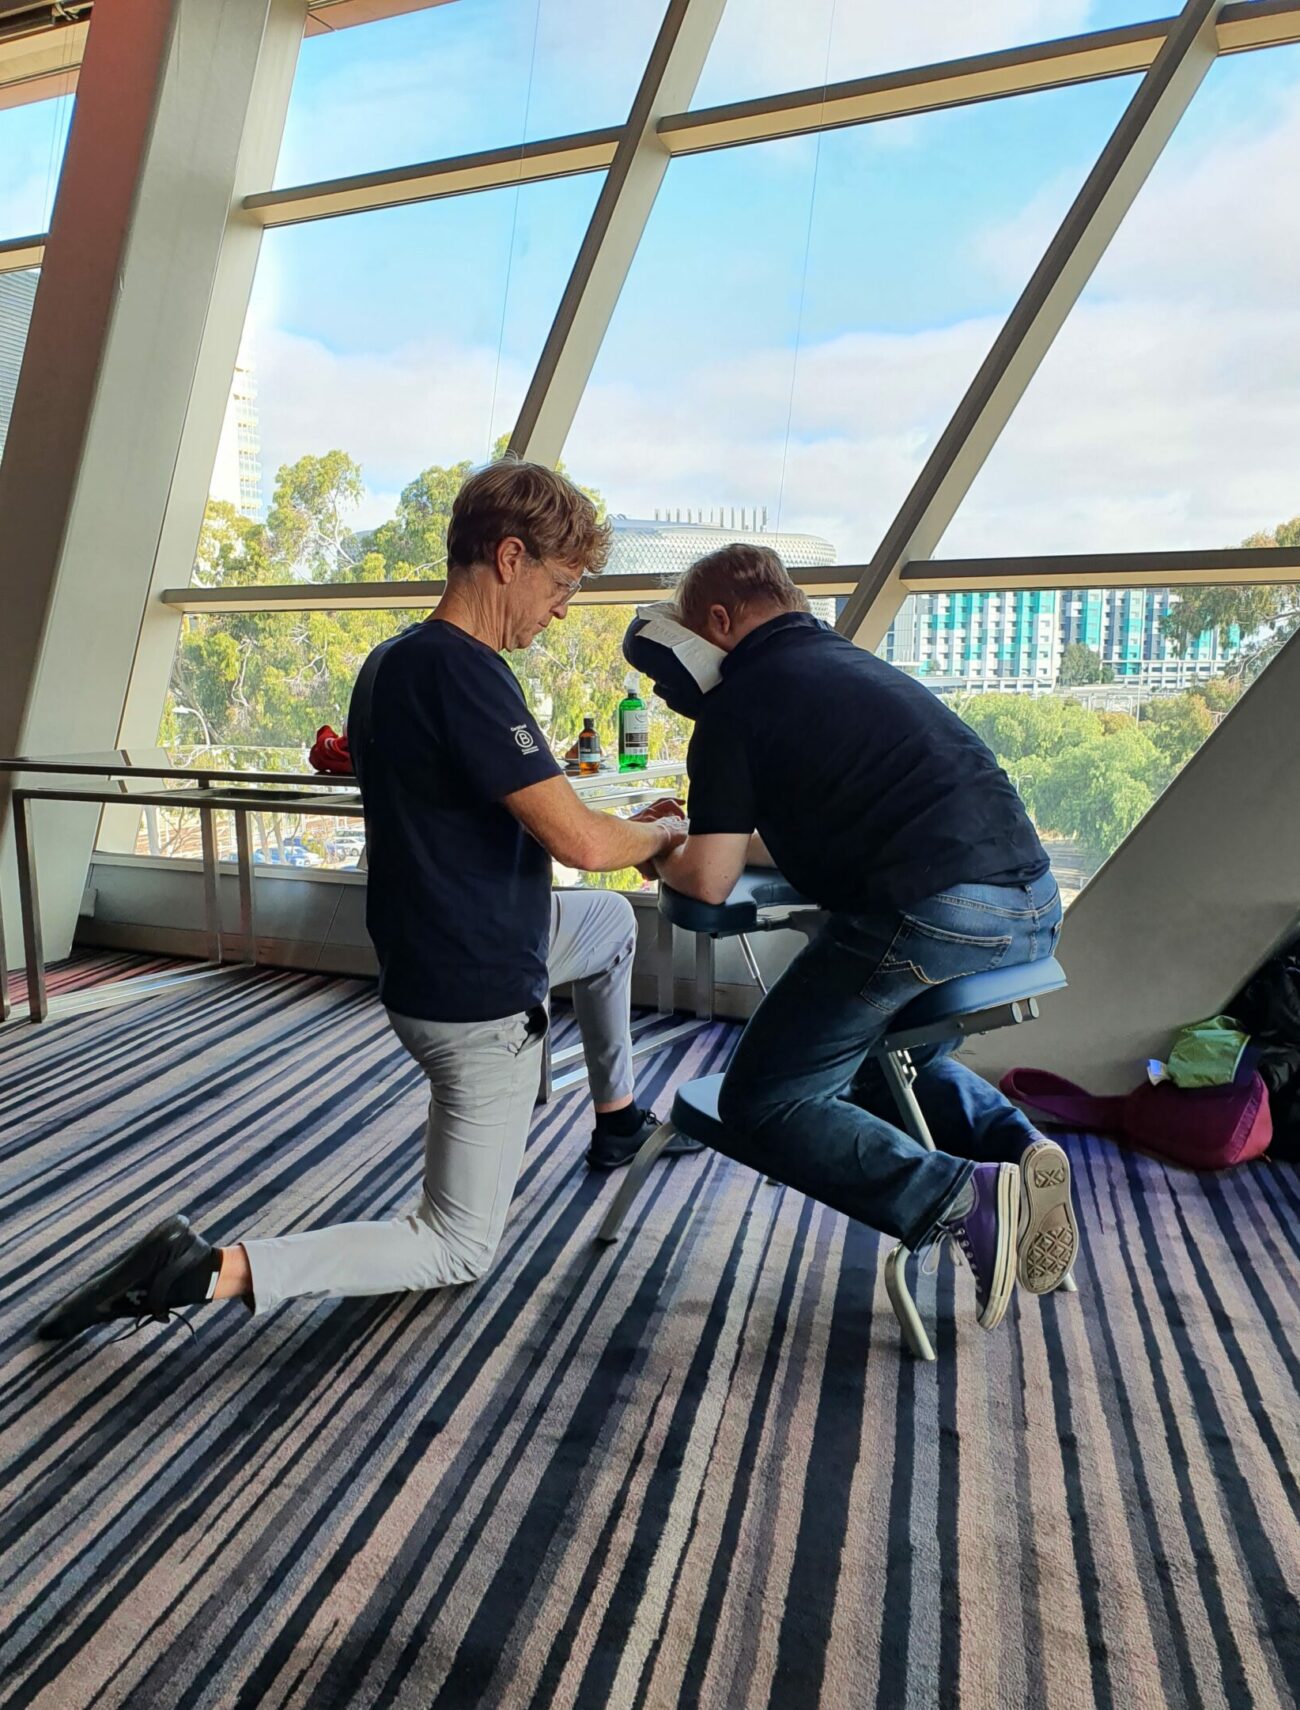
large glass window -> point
(802, 317)
(767, 45)
(1167, 413)
(1092, 699)
(460, 77)
(32, 140)
(17, 295)
(382, 352)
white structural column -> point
(196, 455)
(1177, 920)
(1110, 190)
(162, 109)
(619, 218)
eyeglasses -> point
(564, 588)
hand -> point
(675, 833)
(675, 830)
(666, 808)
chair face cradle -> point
(955, 1010)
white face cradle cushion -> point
(682, 665)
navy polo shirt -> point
(458, 901)
(864, 786)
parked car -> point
(348, 845)
(294, 855)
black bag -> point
(1268, 1008)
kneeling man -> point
(465, 806)
(878, 803)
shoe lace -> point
(148, 1311)
(152, 1318)
(950, 1235)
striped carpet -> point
(690, 1470)
(86, 969)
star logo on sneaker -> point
(524, 739)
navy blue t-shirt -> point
(458, 902)
(864, 786)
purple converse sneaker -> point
(986, 1234)
(1048, 1239)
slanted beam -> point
(1126, 51)
(617, 222)
(531, 163)
(1111, 187)
(18, 254)
(1235, 566)
(419, 596)
(41, 64)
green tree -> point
(1098, 790)
(310, 539)
(413, 545)
(1177, 725)
(1025, 727)
(1252, 623)
(1220, 694)
(1080, 666)
(1082, 774)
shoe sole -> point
(112, 1279)
(674, 1149)
(1004, 1261)
(1048, 1242)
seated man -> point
(878, 803)
(465, 806)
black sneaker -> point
(138, 1285)
(611, 1151)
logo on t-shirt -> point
(524, 739)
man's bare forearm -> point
(613, 843)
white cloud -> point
(777, 44)
(395, 411)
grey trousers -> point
(483, 1080)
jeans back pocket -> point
(925, 954)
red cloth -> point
(329, 752)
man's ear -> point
(511, 554)
(720, 620)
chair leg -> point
(633, 1176)
(900, 1298)
(900, 1074)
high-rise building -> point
(1123, 626)
(17, 294)
(237, 473)
(1012, 640)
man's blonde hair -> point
(736, 577)
(552, 517)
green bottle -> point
(633, 729)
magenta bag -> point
(1205, 1128)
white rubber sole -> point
(1005, 1260)
(1048, 1242)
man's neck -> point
(463, 612)
(749, 621)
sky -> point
(801, 317)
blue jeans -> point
(799, 1101)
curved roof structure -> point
(668, 548)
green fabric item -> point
(1206, 1053)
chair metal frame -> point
(894, 1052)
